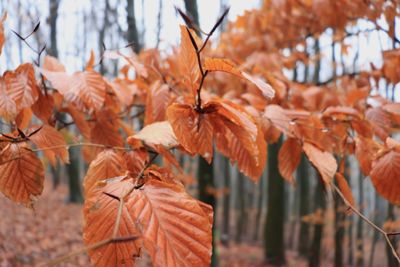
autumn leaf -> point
(385, 175)
(107, 164)
(323, 161)
(2, 38)
(157, 101)
(51, 142)
(21, 173)
(176, 230)
(21, 85)
(100, 212)
(43, 107)
(289, 158)
(366, 151)
(8, 108)
(192, 129)
(158, 133)
(188, 60)
(87, 90)
(345, 188)
(217, 64)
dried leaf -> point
(21, 174)
(289, 158)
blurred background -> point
(316, 230)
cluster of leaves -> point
(191, 104)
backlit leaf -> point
(289, 158)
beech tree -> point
(234, 98)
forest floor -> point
(54, 228)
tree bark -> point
(74, 181)
(53, 16)
(274, 226)
(192, 12)
(241, 213)
(303, 182)
(315, 249)
(227, 203)
(206, 181)
(359, 238)
(132, 33)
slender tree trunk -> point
(390, 258)
(206, 181)
(274, 226)
(227, 203)
(241, 214)
(132, 33)
(74, 181)
(303, 182)
(315, 248)
(259, 208)
(359, 238)
(192, 11)
(339, 231)
(53, 15)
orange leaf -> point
(345, 188)
(158, 98)
(100, 212)
(366, 152)
(21, 173)
(8, 108)
(2, 39)
(158, 133)
(43, 107)
(52, 142)
(239, 138)
(87, 90)
(323, 161)
(21, 85)
(192, 129)
(385, 175)
(188, 60)
(177, 231)
(217, 64)
(107, 164)
(289, 158)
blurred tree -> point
(274, 225)
(192, 11)
(132, 33)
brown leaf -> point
(385, 175)
(289, 158)
(323, 161)
(217, 64)
(176, 230)
(345, 188)
(52, 142)
(21, 173)
(107, 164)
(158, 133)
(192, 129)
(188, 60)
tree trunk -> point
(53, 15)
(339, 231)
(315, 249)
(227, 203)
(359, 238)
(259, 208)
(132, 34)
(74, 181)
(206, 181)
(274, 225)
(390, 258)
(241, 213)
(192, 12)
(303, 182)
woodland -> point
(266, 139)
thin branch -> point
(363, 217)
(86, 249)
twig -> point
(86, 249)
(362, 216)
